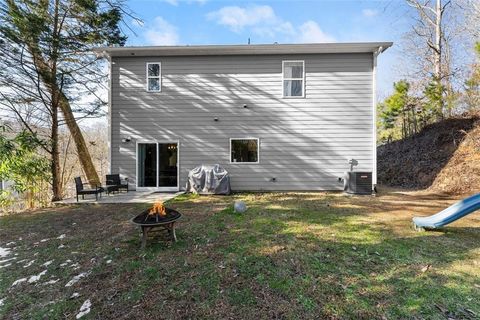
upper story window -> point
(244, 150)
(154, 77)
(293, 78)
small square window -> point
(293, 78)
(244, 150)
(154, 77)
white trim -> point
(303, 79)
(246, 49)
(109, 118)
(374, 117)
(136, 165)
(159, 77)
(157, 188)
(244, 138)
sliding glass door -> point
(147, 165)
(157, 166)
(167, 165)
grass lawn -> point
(290, 256)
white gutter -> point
(374, 115)
(258, 49)
(109, 117)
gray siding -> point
(305, 143)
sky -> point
(198, 22)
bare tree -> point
(429, 28)
(472, 17)
(430, 39)
(439, 49)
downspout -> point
(109, 117)
(374, 116)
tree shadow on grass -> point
(288, 257)
(398, 277)
(336, 265)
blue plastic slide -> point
(452, 213)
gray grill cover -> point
(208, 179)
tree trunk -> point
(55, 91)
(414, 119)
(447, 73)
(438, 52)
(55, 161)
(82, 150)
(438, 40)
(56, 178)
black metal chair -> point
(79, 185)
(114, 182)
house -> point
(277, 117)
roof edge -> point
(196, 50)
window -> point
(293, 78)
(154, 77)
(244, 150)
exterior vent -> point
(358, 182)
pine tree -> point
(433, 107)
(46, 67)
(472, 86)
(393, 113)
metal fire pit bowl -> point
(149, 223)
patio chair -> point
(79, 186)
(114, 183)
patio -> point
(124, 197)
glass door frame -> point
(157, 188)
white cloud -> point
(310, 32)
(285, 28)
(237, 18)
(369, 13)
(176, 2)
(262, 21)
(161, 33)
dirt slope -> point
(443, 157)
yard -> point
(291, 255)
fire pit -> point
(157, 217)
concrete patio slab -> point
(124, 197)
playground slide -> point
(452, 213)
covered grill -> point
(209, 179)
